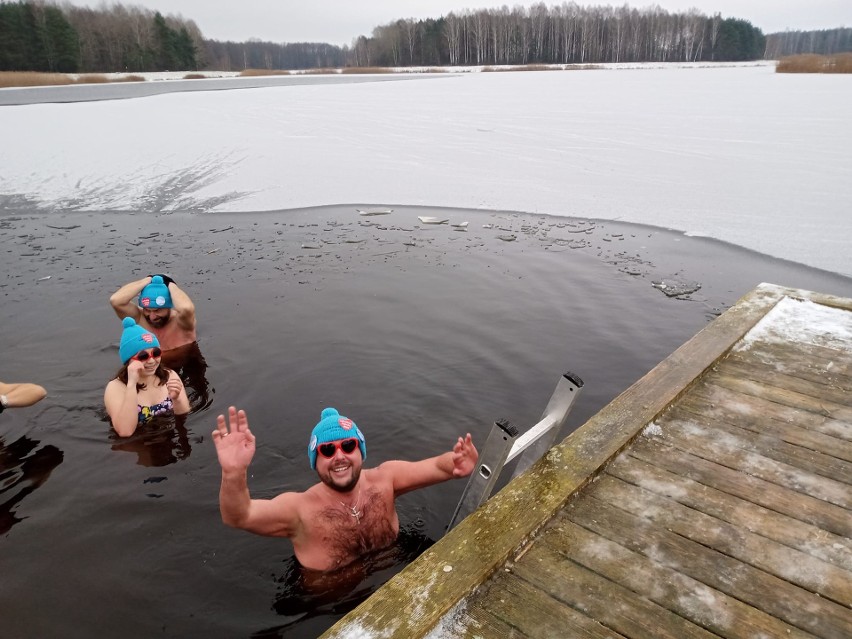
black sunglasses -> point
(348, 446)
(142, 356)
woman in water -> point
(143, 388)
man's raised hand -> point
(234, 441)
(465, 456)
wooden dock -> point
(713, 498)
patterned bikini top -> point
(147, 413)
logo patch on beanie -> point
(146, 302)
(147, 337)
(161, 301)
(345, 423)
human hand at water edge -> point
(234, 441)
(465, 456)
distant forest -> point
(37, 35)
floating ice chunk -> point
(460, 225)
(674, 288)
(374, 211)
(310, 245)
(425, 219)
(508, 238)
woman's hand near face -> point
(134, 369)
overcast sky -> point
(339, 21)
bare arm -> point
(123, 301)
(122, 401)
(22, 394)
(235, 448)
(182, 307)
(457, 463)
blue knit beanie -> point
(333, 426)
(155, 295)
(134, 338)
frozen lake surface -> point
(417, 331)
(741, 154)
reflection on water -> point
(23, 468)
(160, 442)
(307, 595)
(188, 362)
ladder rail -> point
(504, 445)
(484, 476)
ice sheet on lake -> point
(741, 154)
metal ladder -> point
(504, 445)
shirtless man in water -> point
(350, 512)
(158, 305)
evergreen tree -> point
(175, 49)
(17, 37)
(36, 37)
(185, 50)
(165, 53)
(739, 40)
(61, 44)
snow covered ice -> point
(741, 154)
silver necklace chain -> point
(353, 510)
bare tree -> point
(452, 32)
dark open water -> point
(416, 343)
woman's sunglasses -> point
(348, 446)
(142, 356)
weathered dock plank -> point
(809, 362)
(771, 376)
(797, 505)
(710, 499)
(720, 445)
(739, 560)
(658, 488)
(762, 417)
(787, 398)
(767, 444)
(524, 610)
(606, 600)
(688, 602)
(676, 560)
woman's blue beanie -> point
(134, 338)
(333, 426)
(155, 295)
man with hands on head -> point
(350, 512)
(160, 306)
